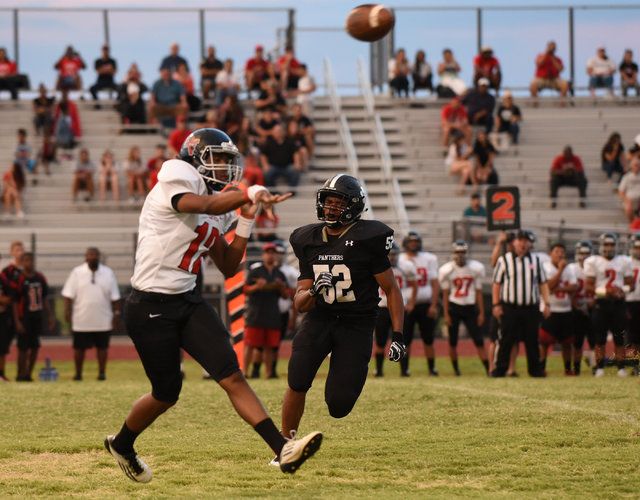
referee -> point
(518, 282)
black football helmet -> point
(460, 249)
(634, 246)
(607, 248)
(412, 236)
(584, 249)
(199, 149)
(349, 189)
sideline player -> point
(461, 283)
(183, 219)
(609, 277)
(9, 277)
(558, 327)
(425, 312)
(342, 260)
(633, 302)
(406, 275)
(582, 305)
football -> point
(369, 22)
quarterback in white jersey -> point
(633, 302)
(461, 283)
(426, 310)
(183, 219)
(609, 277)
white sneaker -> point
(296, 451)
(275, 462)
(20, 214)
(599, 372)
(131, 465)
(622, 372)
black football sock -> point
(567, 366)
(404, 364)
(255, 372)
(485, 363)
(432, 364)
(620, 365)
(576, 367)
(455, 365)
(1, 373)
(379, 362)
(600, 364)
(123, 442)
(269, 432)
(543, 364)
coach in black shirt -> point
(518, 283)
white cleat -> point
(134, 468)
(275, 462)
(599, 372)
(296, 451)
(622, 372)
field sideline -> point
(422, 436)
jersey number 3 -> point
(340, 290)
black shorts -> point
(582, 328)
(349, 340)
(633, 333)
(426, 324)
(469, 316)
(160, 325)
(7, 332)
(87, 340)
(30, 338)
(383, 326)
(560, 327)
(609, 315)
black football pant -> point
(518, 323)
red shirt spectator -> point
(256, 68)
(76, 127)
(550, 66)
(69, 67)
(7, 67)
(486, 64)
(565, 162)
(454, 113)
(177, 137)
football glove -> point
(397, 349)
(322, 282)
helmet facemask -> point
(216, 172)
(337, 213)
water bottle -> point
(48, 374)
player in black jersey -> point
(342, 261)
(9, 277)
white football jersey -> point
(560, 301)
(635, 269)
(606, 272)
(172, 244)
(403, 272)
(580, 295)
(426, 265)
(461, 281)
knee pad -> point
(169, 391)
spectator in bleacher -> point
(270, 96)
(68, 109)
(83, 175)
(613, 157)
(8, 74)
(484, 153)
(476, 215)
(305, 126)
(211, 120)
(629, 74)
(168, 98)
(458, 162)
(280, 158)
(508, 118)
(265, 127)
(252, 173)
(185, 78)
(485, 65)
(108, 177)
(173, 60)
(567, 170)
(629, 190)
(209, 68)
(257, 69)
(448, 70)
(227, 82)
(480, 104)
(153, 172)
(293, 132)
(136, 174)
(548, 69)
(421, 73)
(43, 111)
(69, 66)
(454, 119)
(177, 136)
(287, 70)
(47, 153)
(160, 157)
(24, 152)
(600, 70)
(106, 68)
(63, 129)
(132, 110)
(231, 117)
(13, 182)
(133, 76)
(398, 69)
(306, 87)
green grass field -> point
(412, 438)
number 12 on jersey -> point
(340, 290)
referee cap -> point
(526, 234)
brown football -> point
(369, 22)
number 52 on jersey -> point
(503, 208)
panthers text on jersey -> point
(580, 296)
(461, 281)
(560, 301)
(353, 258)
(427, 267)
(172, 244)
(607, 273)
(634, 296)
(404, 272)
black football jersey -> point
(353, 258)
(32, 292)
(10, 275)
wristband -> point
(601, 292)
(626, 288)
(244, 227)
(251, 192)
(397, 337)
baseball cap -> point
(486, 48)
(526, 234)
(269, 246)
(483, 81)
(259, 47)
(280, 248)
(600, 47)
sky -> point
(516, 36)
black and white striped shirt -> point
(520, 278)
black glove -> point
(322, 282)
(397, 349)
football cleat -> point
(622, 372)
(598, 372)
(134, 468)
(275, 461)
(296, 451)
